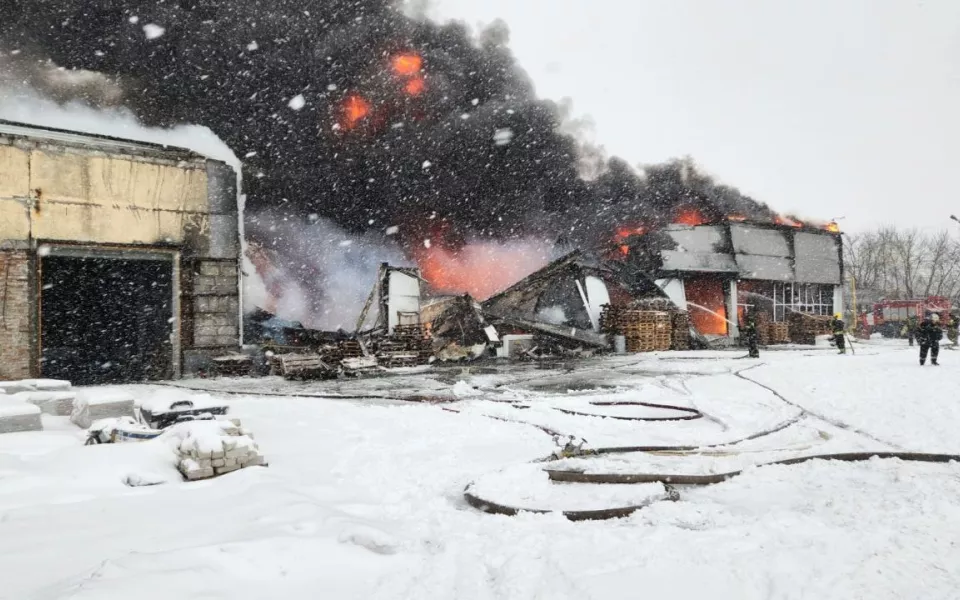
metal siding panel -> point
(770, 268)
(811, 270)
(758, 241)
(697, 261)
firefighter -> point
(749, 335)
(929, 335)
(837, 326)
(911, 328)
(953, 329)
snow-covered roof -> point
(754, 252)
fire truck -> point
(889, 317)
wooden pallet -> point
(306, 366)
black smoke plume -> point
(469, 144)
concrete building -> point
(716, 271)
(118, 259)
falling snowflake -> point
(502, 137)
(427, 164)
(153, 31)
(426, 243)
(297, 102)
(392, 230)
(252, 46)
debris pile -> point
(407, 346)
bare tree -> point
(904, 263)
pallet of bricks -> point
(779, 333)
(645, 330)
(804, 328)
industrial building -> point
(118, 259)
(716, 271)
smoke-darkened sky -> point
(824, 107)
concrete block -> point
(100, 403)
(209, 268)
(226, 469)
(218, 462)
(17, 417)
(230, 462)
(58, 404)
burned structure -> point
(717, 271)
(118, 259)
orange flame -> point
(736, 218)
(689, 216)
(788, 221)
(355, 108)
(415, 87)
(832, 227)
(478, 269)
(407, 64)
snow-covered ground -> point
(363, 495)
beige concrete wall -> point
(80, 196)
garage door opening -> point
(107, 318)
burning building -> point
(118, 259)
(718, 270)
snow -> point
(153, 31)
(98, 396)
(17, 409)
(297, 102)
(363, 497)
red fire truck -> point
(890, 316)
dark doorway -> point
(106, 319)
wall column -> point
(733, 328)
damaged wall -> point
(63, 188)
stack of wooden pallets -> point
(804, 328)
(779, 333)
(763, 328)
(408, 345)
(680, 335)
(645, 330)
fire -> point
(832, 227)
(736, 218)
(355, 108)
(689, 216)
(789, 222)
(407, 64)
(627, 231)
(415, 87)
(480, 269)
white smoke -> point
(320, 274)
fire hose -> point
(670, 480)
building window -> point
(809, 298)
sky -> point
(824, 108)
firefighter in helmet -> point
(929, 335)
(837, 326)
(749, 334)
(953, 328)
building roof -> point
(93, 140)
(752, 251)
